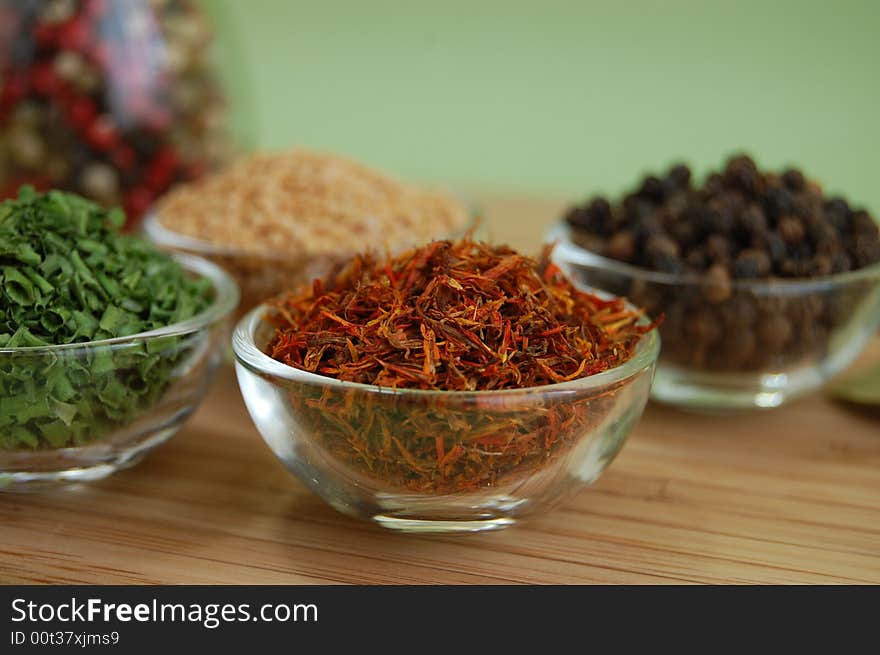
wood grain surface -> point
(784, 496)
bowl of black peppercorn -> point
(768, 286)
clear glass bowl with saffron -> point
(493, 457)
(82, 411)
(739, 344)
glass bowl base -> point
(474, 512)
(726, 392)
(425, 526)
(65, 472)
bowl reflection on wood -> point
(743, 343)
(499, 455)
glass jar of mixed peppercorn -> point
(113, 100)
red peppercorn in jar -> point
(112, 100)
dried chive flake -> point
(67, 277)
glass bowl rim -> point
(248, 354)
(163, 236)
(226, 296)
(568, 252)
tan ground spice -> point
(308, 202)
(277, 220)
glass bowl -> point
(741, 344)
(83, 411)
(264, 274)
(439, 461)
(259, 275)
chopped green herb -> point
(67, 276)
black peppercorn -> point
(739, 345)
(800, 207)
(697, 259)
(680, 174)
(686, 234)
(704, 327)
(777, 203)
(637, 209)
(862, 223)
(774, 331)
(717, 284)
(622, 246)
(822, 265)
(600, 208)
(741, 163)
(791, 229)
(718, 248)
(793, 179)
(713, 185)
(717, 220)
(580, 218)
(652, 189)
(775, 246)
(663, 253)
(837, 205)
(742, 174)
(866, 250)
(739, 311)
(840, 262)
(661, 244)
(595, 217)
(753, 221)
(751, 263)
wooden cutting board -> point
(785, 496)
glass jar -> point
(115, 100)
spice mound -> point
(277, 220)
(69, 277)
(307, 202)
(450, 316)
(740, 223)
(739, 227)
(453, 316)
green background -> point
(561, 98)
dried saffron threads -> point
(449, 316)
(452, 316)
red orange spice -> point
(449, 316)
